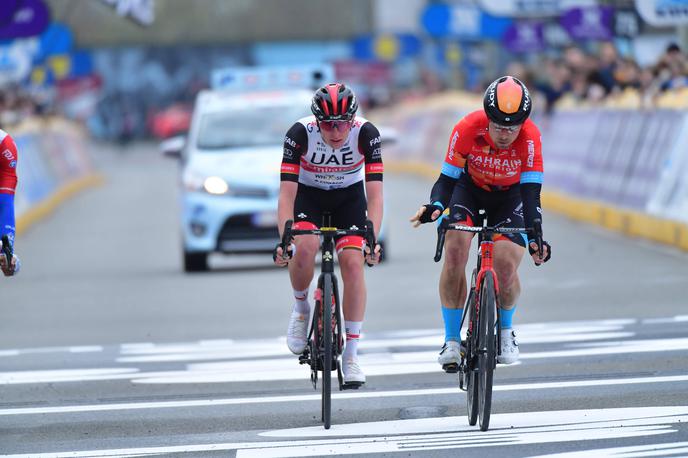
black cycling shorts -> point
(347, 207)
(468, 198)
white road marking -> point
(638, 451)
(28, 351)
(65, 375)
(337, 396)
(433, 434)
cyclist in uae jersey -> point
(8, 184)
(493, 162)
(332, 162)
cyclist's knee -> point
(456, 250)
(306, 249)
(351, 263)
(506, 268)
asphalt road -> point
(107, 349)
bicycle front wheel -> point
(487, 341)
(327, 350)
(471, 359)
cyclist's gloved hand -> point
(426, 213)
(280, 258)
(13, 268)
(372, 258)
(533, 250)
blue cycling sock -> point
(452, 323)
(505, 317)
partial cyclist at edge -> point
(8, 185)
(332, 162)
(493, 162)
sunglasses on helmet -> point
(332, 125)
(509, 129)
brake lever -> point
(370, 239)
(287, 238)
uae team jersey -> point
(307, 159)
(471, 149)
(8, 183)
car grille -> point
(240, 234)
(245, 191)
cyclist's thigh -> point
(463, 205)
(350, 213)
(308, 214)
(507, 205)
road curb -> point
(47, 206)
(627, 222)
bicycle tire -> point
(487, 345)
(471, 357)
(327, 351)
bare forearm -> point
(375, 204)
(285, 205)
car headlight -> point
(197, 182)
(215, 185)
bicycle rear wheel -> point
(327, 350)
(487, 341)
(471, 358)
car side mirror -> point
(172, 147)
(388, 135)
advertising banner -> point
(661, 13)
(589, 23)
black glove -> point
(289, 252)
(426, 217)
(544, 244)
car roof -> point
(219, 100)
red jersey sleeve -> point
(8, 164)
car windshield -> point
(246, 127)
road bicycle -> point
(325, 342)
(482, 344)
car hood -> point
(250, 167)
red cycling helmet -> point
(334, 102)
(507, 101)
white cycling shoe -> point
(450, 356)
(352, 372)
(509, 347)
(296, 333)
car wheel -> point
(195, 261)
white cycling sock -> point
(353, 333)
(301, 305)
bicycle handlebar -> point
(368, 233)
(443, 228)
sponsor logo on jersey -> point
(531, 152)
(13, 164)
(375, 141)
(331, 159)
(302, 215)
(290, 142)
(289, 154)
(377, 153)
(454, 139)
(7, 154)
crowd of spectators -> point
(16, 104)
(580, 77)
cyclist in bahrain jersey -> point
(493, 162)
(8, 184)
(327, 159)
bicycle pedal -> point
(352, 385)
(451, 368)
